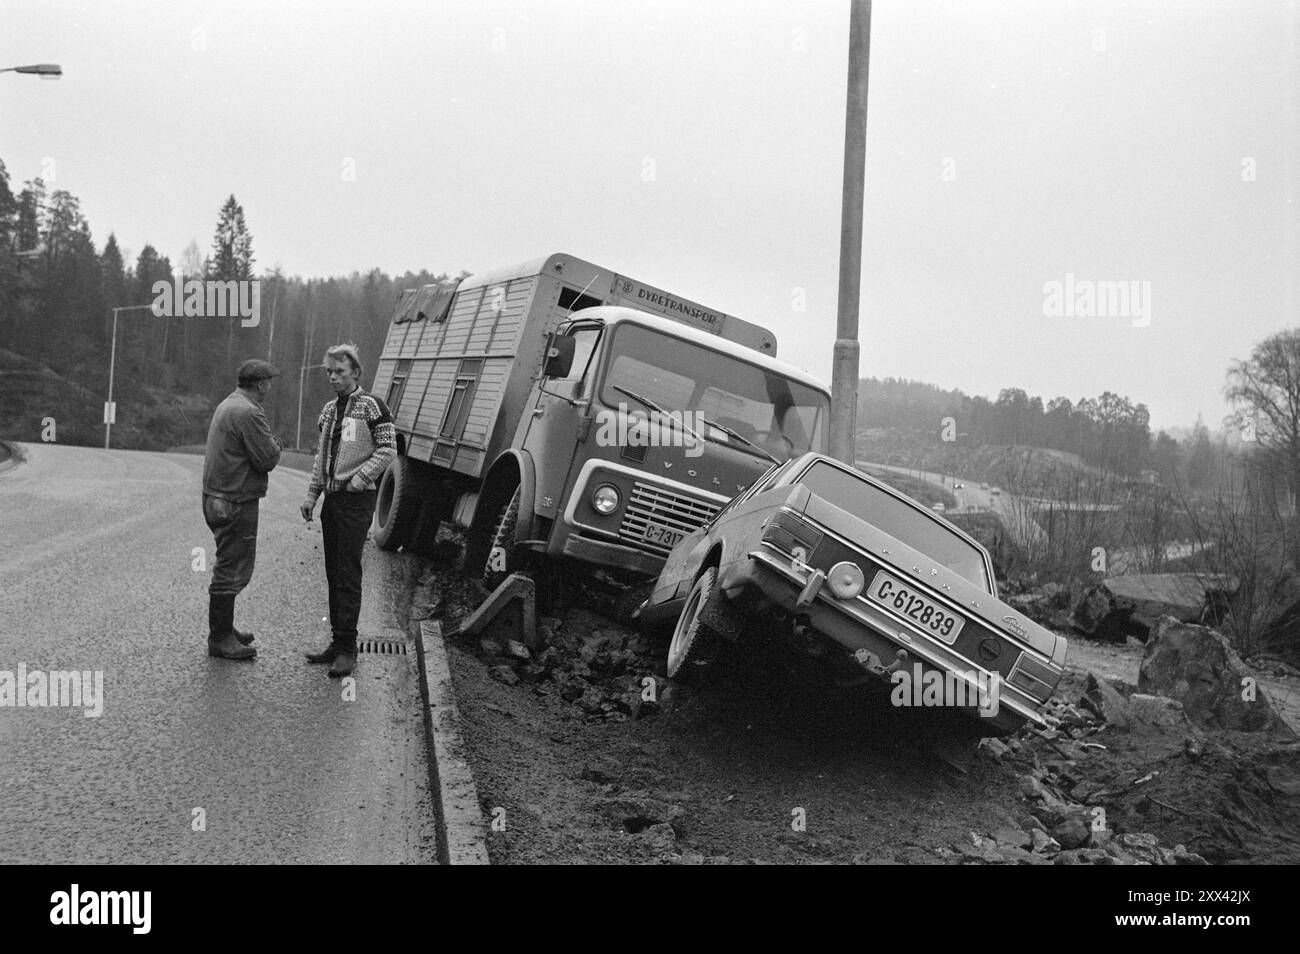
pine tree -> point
(31, 213)
(232, 246)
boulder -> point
(1196, 666)
(1072, 833)
(1121, 607)
(1011, 838)
(1155, 712)
(659, 839)
(1104, 701)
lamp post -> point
(845, 365)
(43, 70)
(301, 373)
(109, 410)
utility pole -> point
(110, 409)
(844, 370)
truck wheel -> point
(397, 505)
(695, 645)
(503, 557)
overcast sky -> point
(699, 147)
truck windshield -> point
(782, 416)
(902, 521)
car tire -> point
(503, 557)
(398, 503)
(695, 644)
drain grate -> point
(382, 647)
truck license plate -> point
(662, 536)
(920, 610)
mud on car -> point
(866, 581)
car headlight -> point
(845, 580)
(605, 499)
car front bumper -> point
(861, 628)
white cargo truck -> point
(563, 409)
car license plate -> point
(662, 536)
(889, 591)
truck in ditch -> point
(562, 409)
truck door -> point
(554, 420)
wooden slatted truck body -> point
(510, 393)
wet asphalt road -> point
(97, 573)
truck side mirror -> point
(559, 356)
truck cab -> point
(665, 424)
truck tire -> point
(503, 556)
(398, 503)
(695, 645)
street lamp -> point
(110, 410)
(49, 71)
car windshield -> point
(782, 416)
(908, 524)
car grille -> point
(658, 505)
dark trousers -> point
(344, 522)
(234, 525)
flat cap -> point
(254, 369)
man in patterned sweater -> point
(357, 442)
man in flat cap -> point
(241, 452)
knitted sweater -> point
(368, 443)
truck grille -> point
(665, 508)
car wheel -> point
(503, 556)
(695, 644)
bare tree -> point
(1268, 385)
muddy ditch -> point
(584, 752)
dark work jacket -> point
(241, 450)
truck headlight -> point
(845, 580)
(605, 499)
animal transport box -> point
(461, 357)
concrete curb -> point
(462, 835)
(17, 455)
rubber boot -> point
(243, 637)
(326, 655)
(344, 662)
(221, 629)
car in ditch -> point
(865, 583)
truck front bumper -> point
(607, 554)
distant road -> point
(971, 497)
(98, 574)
